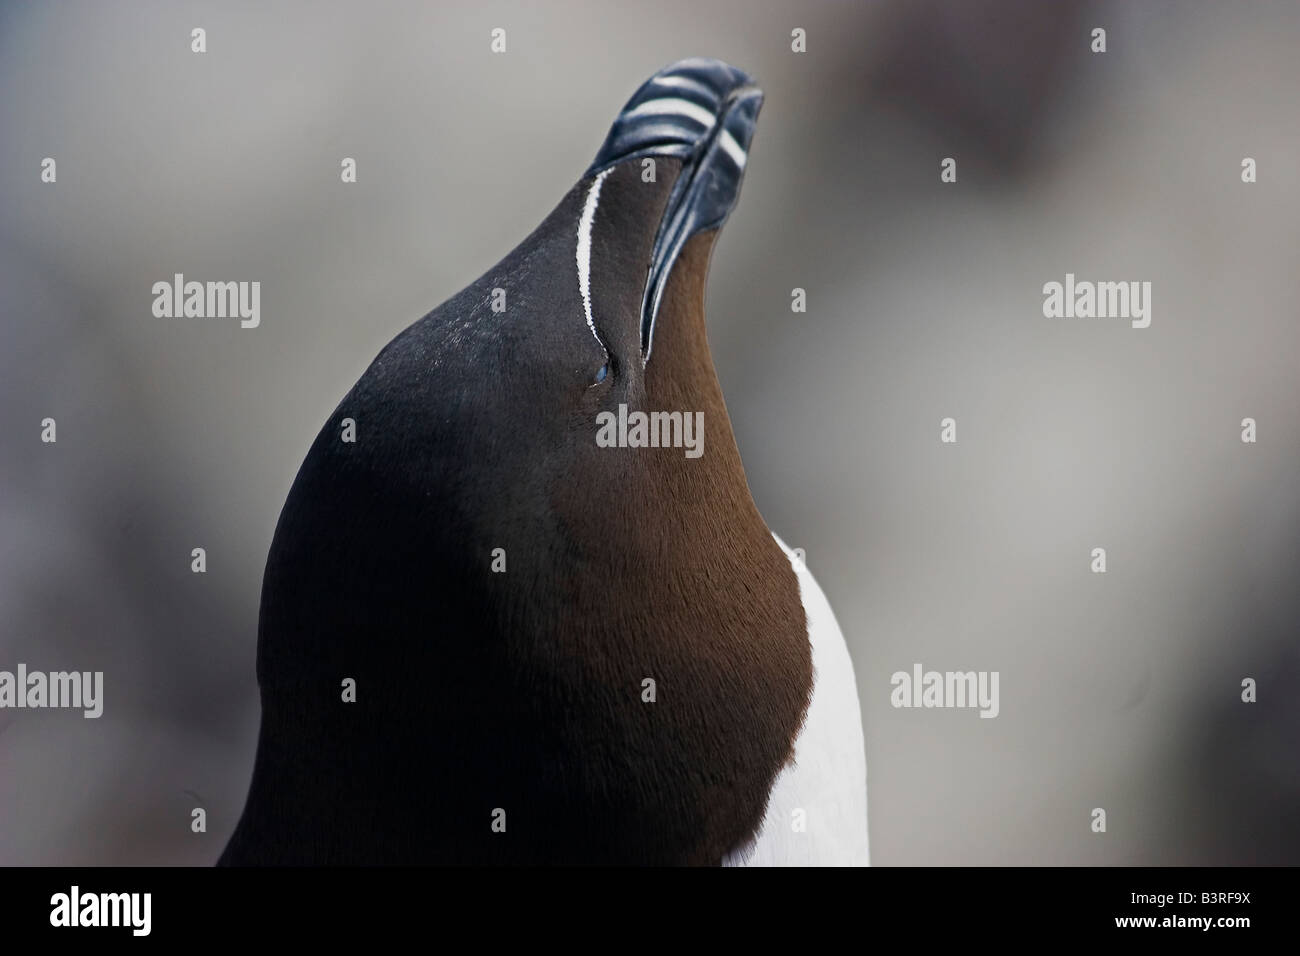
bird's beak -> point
(701, 112)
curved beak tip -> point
(681, 110)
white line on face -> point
(584, 250)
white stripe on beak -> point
(732, 149)
(673, 106)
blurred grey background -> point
(924, 301)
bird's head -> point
(509, 417)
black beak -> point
(702, 112)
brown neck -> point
(690, 589)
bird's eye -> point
(601, 373)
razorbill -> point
(488, 637)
